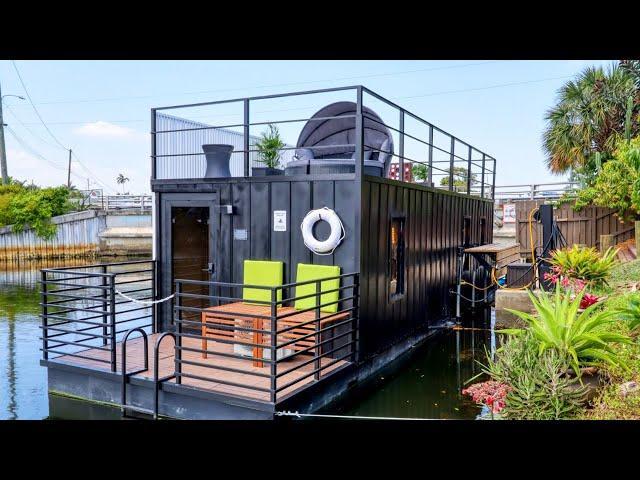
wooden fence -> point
(584, 227)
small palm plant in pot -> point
(269, 147)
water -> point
(427, 384)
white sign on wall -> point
(509, 213)
(279, 220)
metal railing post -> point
(112, 315)
(359, 139)
(178, 353)
(274, 344)
(105, 328)
(401, 148)
(246, 137)
(469, 173)
(154, 307)
(493, 186)
(451, 163)
(317, 363)
(430, 172)
(45, 321)
(153, 144)
(482, 184)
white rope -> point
(351, 417)
(141, 302)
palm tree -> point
(121, 180)
(588, 118)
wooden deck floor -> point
(135, 361)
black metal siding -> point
(433, 231)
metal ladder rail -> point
(157, 382)
(125, 375)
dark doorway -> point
(190, 258)
(188, 246)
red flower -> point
(588, 300)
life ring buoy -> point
(325, 247)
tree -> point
(121, 180)
(420, 172)
(617, 185)
(588, 119)
(632, 67)
(459, 179)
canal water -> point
(424, 384)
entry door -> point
(189, 244)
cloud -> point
(104, 129)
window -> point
(483, 230)
(396, 257)
(466, 231)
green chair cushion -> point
(308, 272)
(264, 273)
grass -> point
(610, 405)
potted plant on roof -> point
(269, 147)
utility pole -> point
(69, 171)
(3, 151)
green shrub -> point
(33, 207)
(584, 263)
(583, 337)
(539, 390)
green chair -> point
(263, 273)
(306, 272)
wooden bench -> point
(238, 314)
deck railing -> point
(422, 152)
(82, 310)
(266, 350)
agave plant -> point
(581, 336)
(631, 313)
(584, 263)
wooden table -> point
(228, 315)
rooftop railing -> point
(423, 152)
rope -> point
(350, 417)
(141, 302)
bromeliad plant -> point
(581, 336)
(582, 264)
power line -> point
(34, 107)
(447, 92)
(289, 84)
(95, 177)
(13, 114)
(32, 150)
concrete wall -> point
(82, 234)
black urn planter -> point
(218, 156)
(266, 171)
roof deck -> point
(425, 153)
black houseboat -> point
(273, 288)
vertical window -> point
(396, 238)
(466, 231)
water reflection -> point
(429, 384)
(23, 382)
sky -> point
(101, 109)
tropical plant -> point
(617, 184)
(538, 388)
(631, 313)
(583, 263)
(121, 180)
(588, 119)
(269, 147)
(582, 337)
(632, 67)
